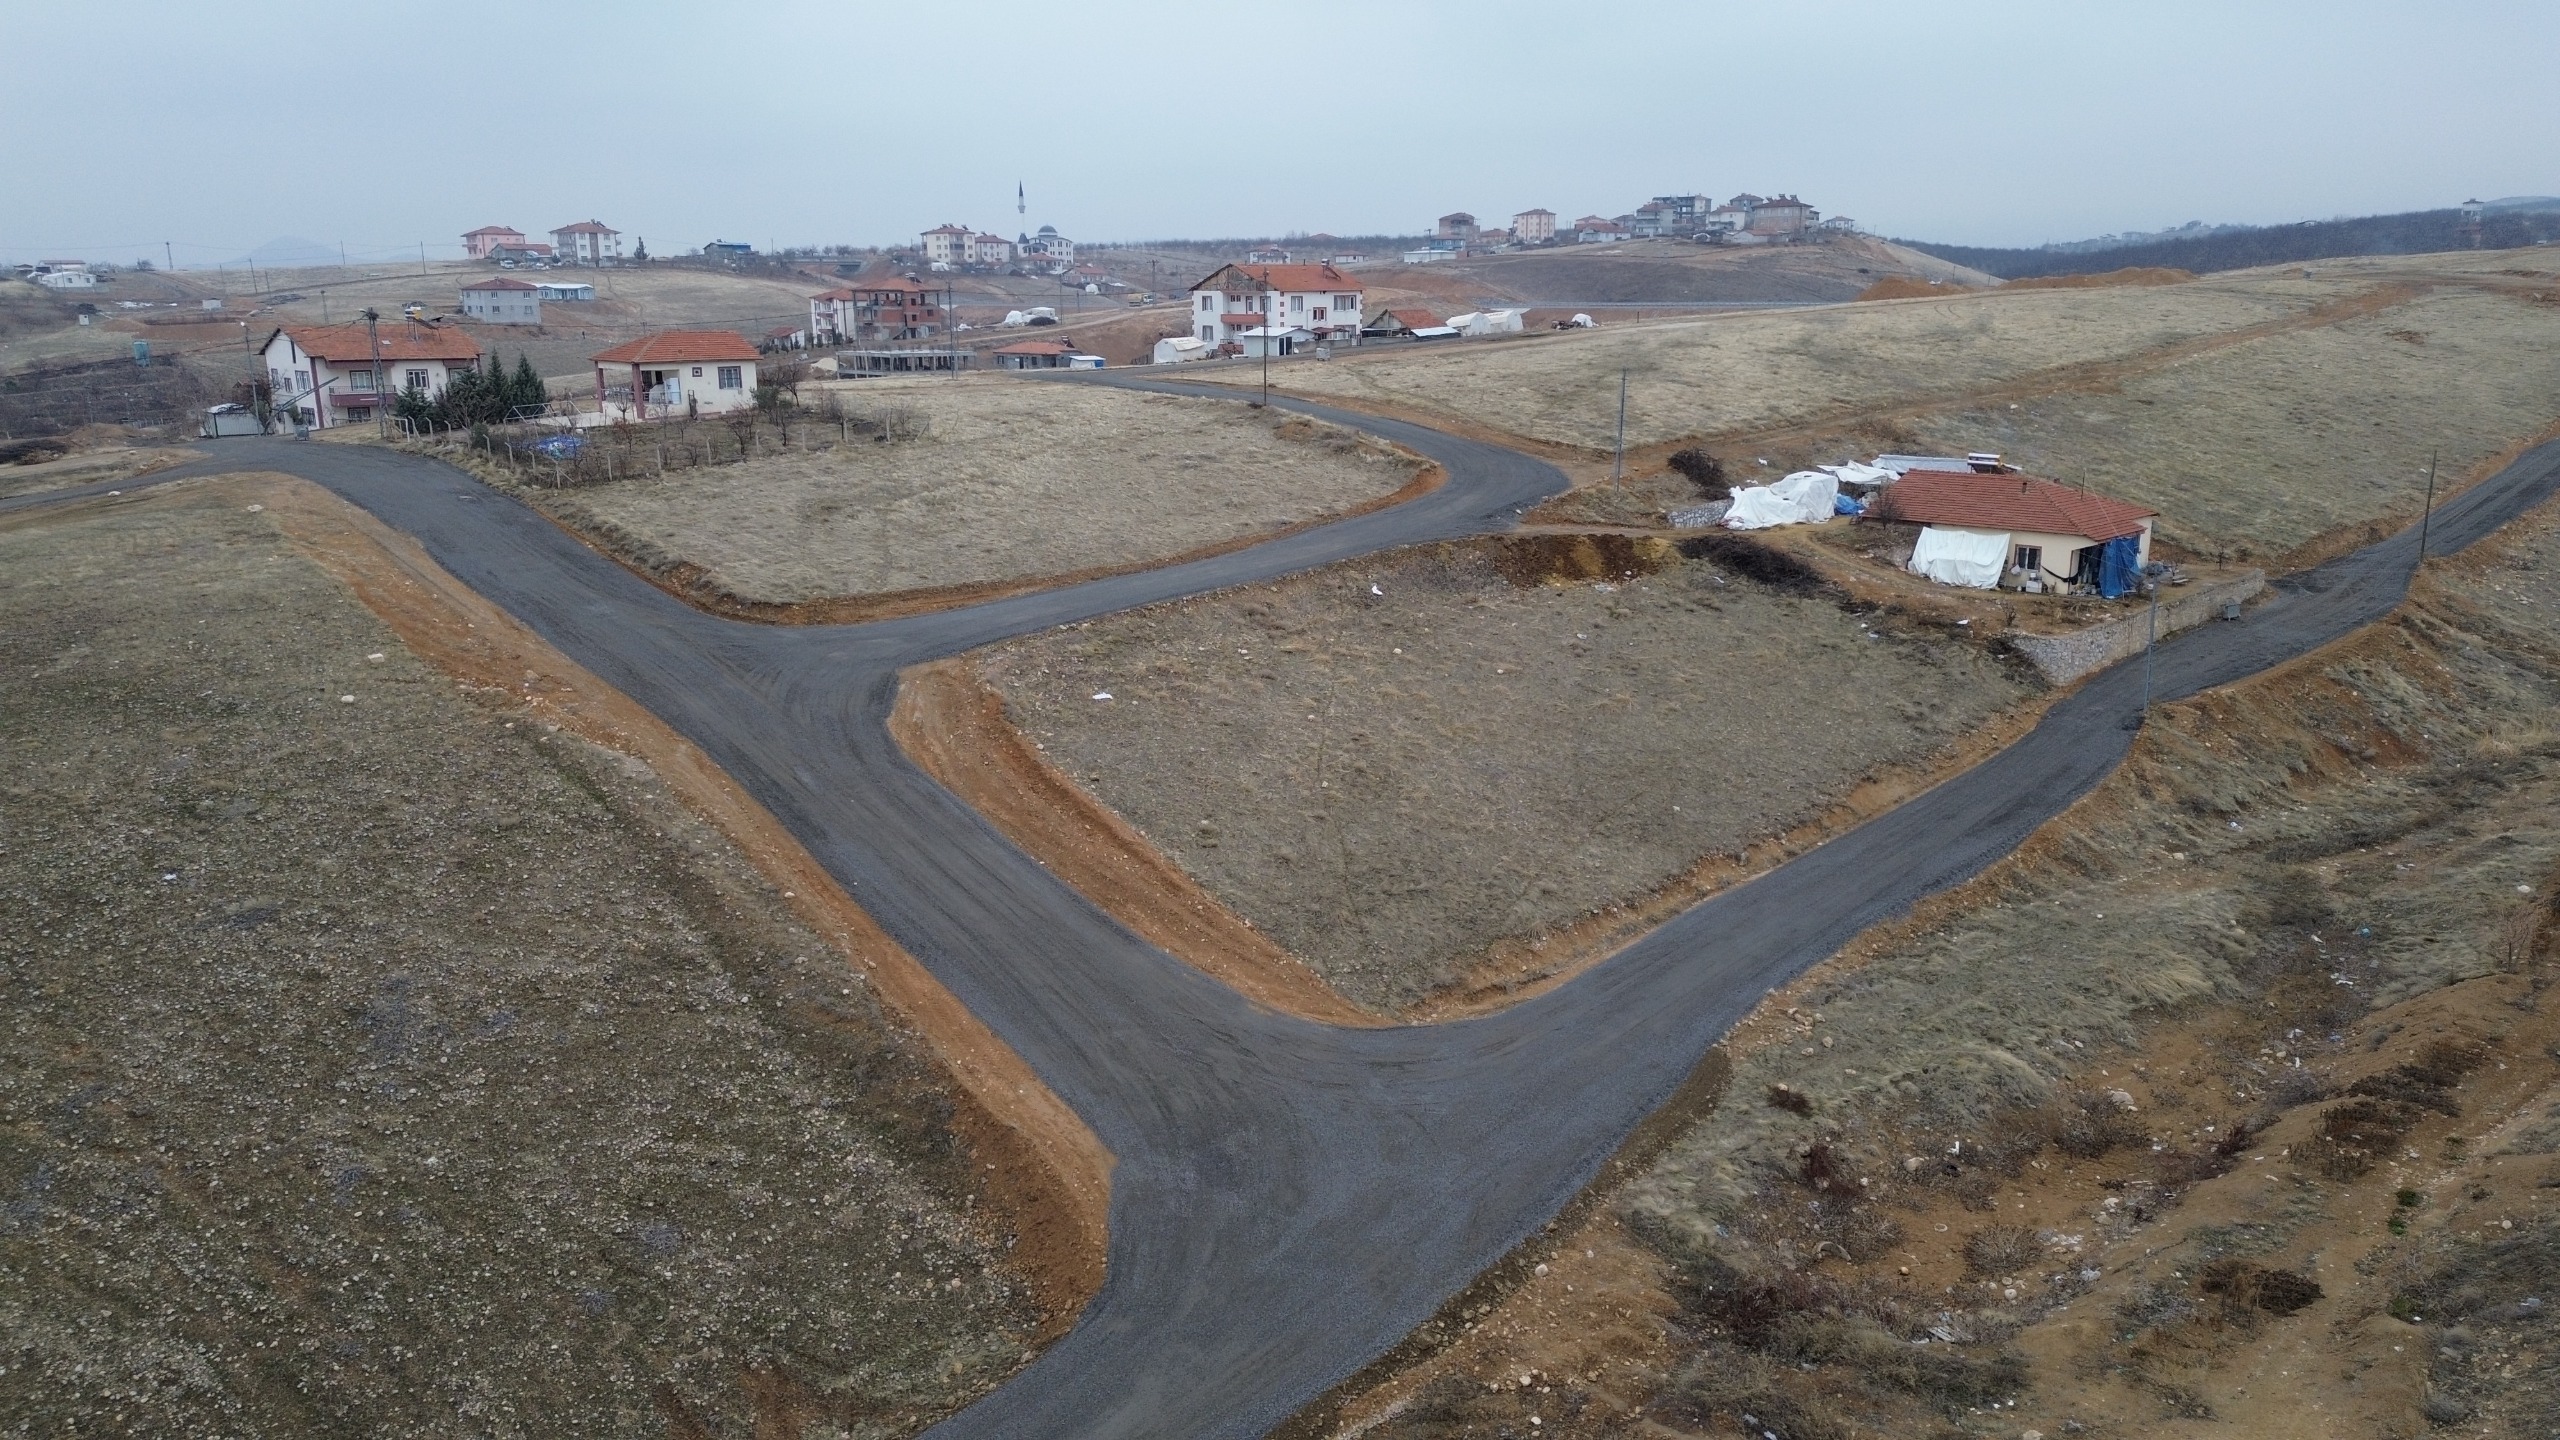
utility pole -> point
(2426, 517)
(422, 259)
(1618, 470)
(2150, 648)
(169, 253)
(1263, 294)
(373, 347)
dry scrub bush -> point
(2256, 1287)
(2000, 1250)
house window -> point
(1208, 302)
(360, 380)
(732, 377)
(301, 380)
(1346, 302)
(1298, 302)
(1208, 334)
(1319, 312)
(359, 412)
(417, 379)
(2030, 558)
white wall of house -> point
(585, 247)
(945, 245)
(1334, 315)
(660, 390)
(2056, 562)
(503, 307)
(343, 392)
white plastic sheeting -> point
(1854, 476)
(1960, 557)
(1803, 498)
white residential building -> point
(990, 250)
(1057, 248)
(324, 375)
(589, 242)
(946, 244)
(1534, 227)
(502, 302)
(1320, 299)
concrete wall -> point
(2065, 658)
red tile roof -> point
(2008, 502)
(499, 285)
(676, 347)
(1303, 278)
(406, 340)
(587, 227)
(1036, 347)
(494, 230)
(1412, 319)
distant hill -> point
(2521, 220)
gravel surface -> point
(1364, 761)
(382, 1063)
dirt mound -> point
(2130, 275)
(1529, 560)
(1909, 287)
(1752, 560)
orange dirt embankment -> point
(1048, 1177)
(953, 724)
(696, 586)
(1911, 287)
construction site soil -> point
(2228, 1106)
(1362, 762)
(988, 484)
(390, 1058)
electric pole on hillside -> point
(2426, 517)
(1618, 468)
(373, 347)
(1262, 292)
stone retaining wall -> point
(2065, 658)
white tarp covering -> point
(1859, 477)
(1486, 322)
(1180, 347)
(1803, 498)
(1960, 557)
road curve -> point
(1290, 1198)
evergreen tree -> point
(640, 251)
(527, 393)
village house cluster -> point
(958, 247)
(1745, 219)
(585, 242)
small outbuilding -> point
(1984, 530)
(1176, 349)
(1399, 324)
(1034, 355)
(1260, 340)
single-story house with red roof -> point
(677, 372)
(502, 302)
(1983, 530)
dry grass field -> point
(1764, 369)
(1375, 780)
(2228, 1107)
(2263, 446)
(383, 1062)
(1013, 478)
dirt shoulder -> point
(1360, 762)
(966, 490)
(320, 983)
(2227, 1105)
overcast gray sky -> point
(221, 127)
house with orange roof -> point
(676, 373)
(322, 376)
(895, 307)
(1320, 298)
(2018, 531)
(479, 243)
(946, 244)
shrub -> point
(2239, 1283)
(1999, 1250)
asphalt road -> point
(1290, 1198)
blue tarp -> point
(2118, 572)
(560, 447)
(1843, 505)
